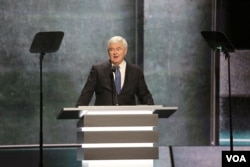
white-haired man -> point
(110, 89)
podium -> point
(117, 132)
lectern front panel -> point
(118, 153)
(118, 120)
(118, 137)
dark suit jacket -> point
(100, 81)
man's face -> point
(117, 52)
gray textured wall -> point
(240, 100)
(173, 44)
(87, 26)
(237, 30)
(177, 63)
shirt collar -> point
(122, 64)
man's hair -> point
(116, 39)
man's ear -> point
(126, 51)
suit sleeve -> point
(88, 90)
(143, 94)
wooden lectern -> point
(117, 132)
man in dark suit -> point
(103, 76)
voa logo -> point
(236, 158)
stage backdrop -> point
(235, 27)
(176, 63)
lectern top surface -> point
(81, 111)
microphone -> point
(113, 69)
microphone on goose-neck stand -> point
(113, 69)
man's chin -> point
(115, 62)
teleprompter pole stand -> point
(44, 42)
(221, 44)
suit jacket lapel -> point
(109, 74)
